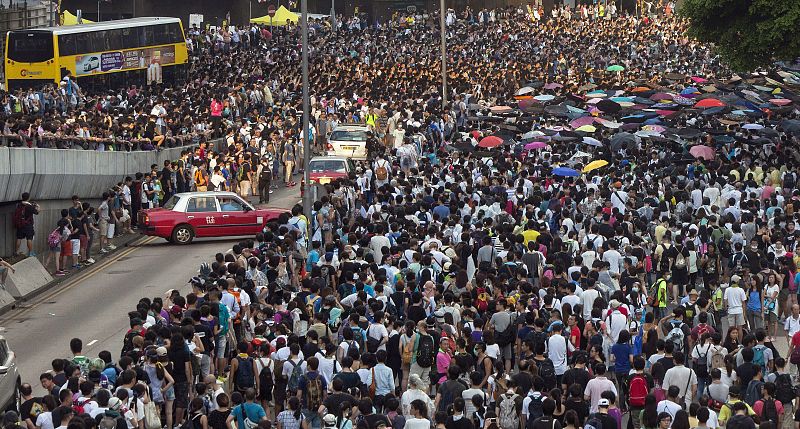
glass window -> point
(146, 35)
(230, 204)
(66, 44)
(30, 46)
(130, 37)
(172, 202)
(201, 204)
(322, 165)
(83, 43)
(3, 352)
(349, 136)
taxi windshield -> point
(348, 136)
(335, 165)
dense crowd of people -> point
(494, 264)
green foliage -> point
(747, 33)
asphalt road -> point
(93, 305)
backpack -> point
(676, 335)
(54, 239)
(78, 405)
(425, 351)
(717, 358)
(372, 343)
(680, 259)
(358, 337)
(482, 303)
(759, 358)
(265, 377)
(768, 411)
(784, 390)
(593, 422)
(715, 405)
(548, 373)
(19, 217)
(535, 410)
(408, 351)
(788, 180)
(739, 421)
(294, 378)
(700, 363)
(753, 392)
(381, 173)
(314, 391)
(244, 373)
(638, 391)
(794, 359)
(508, 418)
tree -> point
(747, 33)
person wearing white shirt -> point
(792, 324)
(670, 405)
(616, 322)
(683, 377)
(378, 332)
(733, 298)
(557, 348)
(587, 298)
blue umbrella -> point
(566, 172)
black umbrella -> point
(620, 140)
(608, 106)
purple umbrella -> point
(584, 120)
(553, 85)
(535, 145)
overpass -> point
(53, 176)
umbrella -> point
(580, 154)
(640, 89)
(615, 68)
(594, 165)
(654, 128)
(532, 134)
(500, 109)
(608, 124)
(596, 94)
(490, 141)
(592, 141)
(566, 172)
(524, 90)
(535, 145)
(752, 126)
(587, 87)
(526, 103)
(690, 90)
(780, 101)
(552, 85)
(709, 102)
(661, 96)
(702, 151)
(697, 79)
(544, 97)
(674, 76)
(586, 129)
(584, 120)
(620, 140)
(608, 106)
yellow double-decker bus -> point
(110, 54)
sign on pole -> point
(271, 10)
(196, 19)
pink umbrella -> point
(698, 79)
(584, 120)
(500, 109)
(702, 151)
(661, 96)
(553, 85)
(780, 101)
(535, 145)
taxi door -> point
(237, 217)
(202, 213)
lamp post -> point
(443, 31)
(305, 133)
(98, 10)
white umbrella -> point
(525, 90)
(752, 126)
(592, 141)
(532, 134)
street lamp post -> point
(98, 10)
(305, 133)
(443, 31)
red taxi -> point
(204, 214)
(325, 169)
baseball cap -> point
(603, 402)
(693, 292)
(161, 351)
(735, 278)
(329, 420)
(114, 403)
(176, 310)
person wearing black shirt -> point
(747, 369)
(548, 421)
(335, 400)
(371, 419)
(607, 421)
(458, 420)
(577, 374)
(415, 311)
(166, 182)
(348, 377)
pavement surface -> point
(92, 304)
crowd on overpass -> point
(565, 259)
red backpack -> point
(19, 219)
(638, 391)
(482, 303)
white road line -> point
(91, 343)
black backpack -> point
(266, 378)
(244, 373)
(548, 373)
(425, 351)
(768, 411)
(507, 336)
(534, 411)
(784, 390)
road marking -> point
(91, 343)
(70, 283)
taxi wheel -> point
(182, 234)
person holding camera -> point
(23, 223)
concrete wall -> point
(53, 176)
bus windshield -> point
(30, 46)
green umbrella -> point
(615, 68)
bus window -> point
(30, 47)
(67, 45)
(130, 37)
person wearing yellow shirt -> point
(727, 410)
(530, 234)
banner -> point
(124, 60)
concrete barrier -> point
(6, 300)
(5, 169)
(21, 169)
(29, 276)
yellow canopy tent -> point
(280, 18)
(68, 18)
